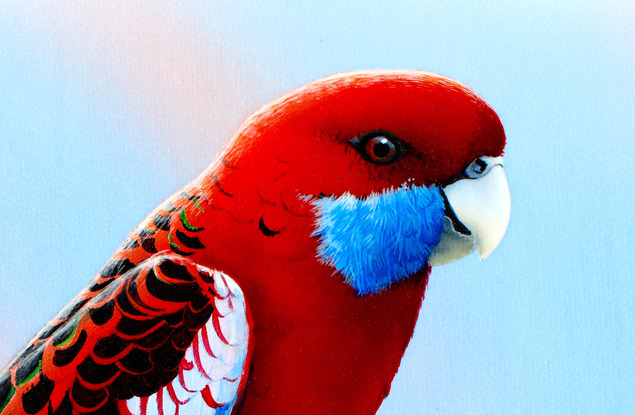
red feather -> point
(316, 346)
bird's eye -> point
(378, 147)
(478, 168)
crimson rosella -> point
(287, 278)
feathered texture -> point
(135, 337)
(210, 373)
(380, 239)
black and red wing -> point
(126, 341)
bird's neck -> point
(264, 243)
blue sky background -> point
(107, 108)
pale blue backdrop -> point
(106, 108)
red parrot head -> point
(395, 170)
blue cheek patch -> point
(379, 239)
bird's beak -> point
(476, 215)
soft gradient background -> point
(107, 107)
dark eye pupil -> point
(481, 165)
(382, 149)
(378, 147)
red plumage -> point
(316, 346)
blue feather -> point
(383, 238)
(227, 408)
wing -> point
(168, 336)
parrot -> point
(287, 278)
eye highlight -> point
(378, 147)
(481, 166)
(477, 168)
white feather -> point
(223, 369)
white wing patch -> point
(211, 370)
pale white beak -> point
(477, 212)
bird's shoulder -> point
(166, 335)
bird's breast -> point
(321, 347)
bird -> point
(287, 278)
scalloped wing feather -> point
(168, 331)
(212, 370)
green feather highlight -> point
(70, 336)
(173, 244)
(199, 207)
(31, 375)
(187, 223)
(9, 396)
